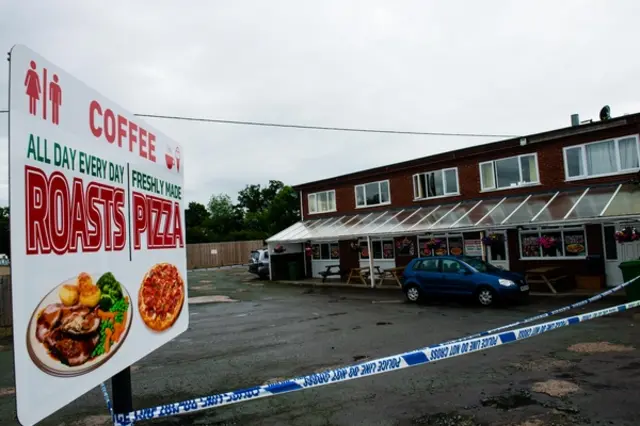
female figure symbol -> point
(32, 83)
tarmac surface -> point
(245, 332)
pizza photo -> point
(161, 296)
(79, 325)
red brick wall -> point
(550, 169)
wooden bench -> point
(545, 276)
(331, 272)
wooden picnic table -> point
(546, 275)
(363, 274)
(393, 274)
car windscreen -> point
(480, 265)
(255, 256)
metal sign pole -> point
(122, 395)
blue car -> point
(462, 276)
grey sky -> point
(454, 66)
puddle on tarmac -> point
(509, 400)
(210, 299)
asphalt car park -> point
(246, 332)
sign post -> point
(97, 238)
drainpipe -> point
(301, 206)
(270, 252)
(484, 256)
(371, 276)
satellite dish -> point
(605, 113)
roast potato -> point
(90, 296)
(85, 283)
(68, 295)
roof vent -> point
(575, 120)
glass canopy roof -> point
(598, 203)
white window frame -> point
(483, 188)
(542, 229)
(424, 238)
(381, 240)
(364, 186)
(583, 158)
(328, 243)
(315, 202)
(416, 190)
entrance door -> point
(617, 253)
(498, 254)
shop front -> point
(572, 231)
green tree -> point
(195, 215)
(283, 211)
(225, 217)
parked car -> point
(259, 263)
(462, 276)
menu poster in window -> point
(425, 250)
(473, 248)
(335, 251)
(530, 246)
(315, 248)
(455, 246)
(405, 247)
(443, 250)
(574, 243)
(364, 250)
(387, 250)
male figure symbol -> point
(55, 94)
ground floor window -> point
(381, 250)
(610, 244)
(553, 242)
(441, 245)
(325, 251)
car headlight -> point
(506, 283)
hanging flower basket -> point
(308, 251)
(433, 243)
(279, 249)
(547, 242)
(493, 238)
(627, 235)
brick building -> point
(577, 185)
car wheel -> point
(413, 293)
(486, 296)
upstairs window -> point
(322, 202)
(373, 194)
(440, 183)
(509, 172)
(602, 158)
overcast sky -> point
(456, 66)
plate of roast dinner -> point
(79, 325)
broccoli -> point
(106, 302)
(110, 286)
(106, 281)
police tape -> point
(105, 394)
(545, 315)
(364, 369)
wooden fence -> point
(6, 316)
(211, 255)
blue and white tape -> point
(105, 394)
(365, 369)
(546, 314)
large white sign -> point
(98, 260)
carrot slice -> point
(107, 340)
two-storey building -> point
(552, 199)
